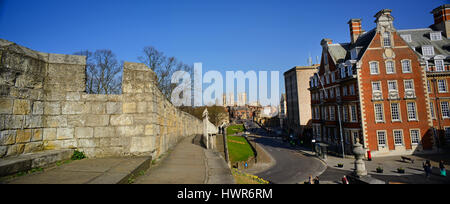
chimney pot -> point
(326, 41)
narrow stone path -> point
(88, 171)
(188, 163)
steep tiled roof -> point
(338, 52)
(341, 52)
(363, 42)
(421, 37)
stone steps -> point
(25, 162)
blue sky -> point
(225, 35)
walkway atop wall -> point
(189, 163)
(88, 171)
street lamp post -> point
(339, 115)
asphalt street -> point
(291, 166)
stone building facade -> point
(374, 88)
(43, 106)
(298, 99)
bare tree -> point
(102, 72)
(164, 67)
(91, 71)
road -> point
(291, 166)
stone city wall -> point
(43, 106)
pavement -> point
(414, 173)
(189, 163)
(87, 171)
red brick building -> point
(375, 88)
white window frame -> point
(384, 139)
(411, 112)
(406, 37)
(440, 66)
(396, 137)
(406, 82)
(345, 91)
(387, 41)
(379, 112)
(374, 67)
(394, 82)
(398, 113)
(411, 84)
(409, 66)
(442, 87)
(435, 36)
(393, 67)
(333, 77)
(428, 50)
(414, 140)
(374, 90)
(445, 109)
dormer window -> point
(387, 39)
(439, 65)
(435, 36)
(428, 50)
(406, 37)
(353, 53)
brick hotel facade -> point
(387, 87)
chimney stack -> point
(326, 42)
(355, 29)
(442, 19)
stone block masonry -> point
(43, 106)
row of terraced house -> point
(387, 88)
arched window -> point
(387, 39)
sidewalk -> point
(189, 163)
(88, 171)
(414, 173)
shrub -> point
(77, 155)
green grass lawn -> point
(231, 130)
(239, 149)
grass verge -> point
(239, 149)
(244, 178)
(232, 130)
